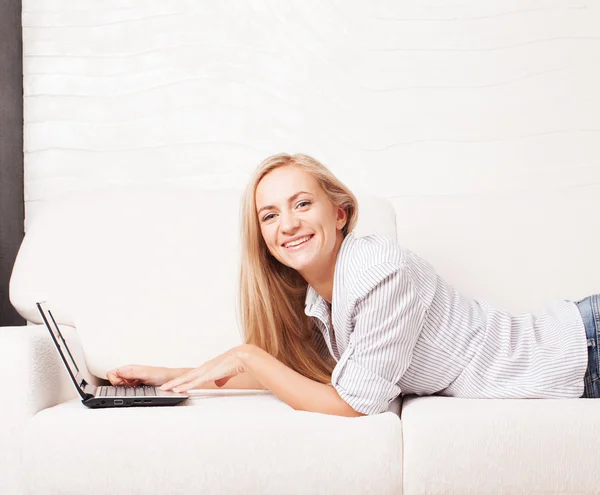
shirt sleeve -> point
(388, 322)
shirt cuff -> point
(363, 390)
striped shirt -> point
(396, 328)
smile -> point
(298, 242)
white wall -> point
(480, 120)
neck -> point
(321, 278)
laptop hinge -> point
(88, 389)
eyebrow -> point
(290, 199)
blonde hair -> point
(272, 294)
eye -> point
(301, 204)
(268, 217)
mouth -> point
(298, 243)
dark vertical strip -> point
(11, 150)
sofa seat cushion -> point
(218, 441)
(533, 446)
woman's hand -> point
(134, 374)
(220, 370)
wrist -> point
(251, 358)
(247, 354)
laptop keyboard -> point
(141, 391)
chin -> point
(302, 265)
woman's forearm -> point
(301, 393)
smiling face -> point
(301, 227)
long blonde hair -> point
(272, 294)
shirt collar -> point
(312, 297)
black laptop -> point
(105, 396)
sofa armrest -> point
(33, 378)
(31, 371)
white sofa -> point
(149, 276)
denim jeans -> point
(590, 312)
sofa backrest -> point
(515, 250)
(145, 275)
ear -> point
(341, 218)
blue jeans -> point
(590, 312)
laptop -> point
(105, 396)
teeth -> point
(298, 241)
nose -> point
(289, 223)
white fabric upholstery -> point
(33, 379)
(516, 252)
(154, 272)
(227, 442)
(465, 446)
(43, 427)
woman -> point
(342, 325)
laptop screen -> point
(62, 347)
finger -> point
(111, 377)
(194, 373)
(193, 382)
(179, 380)
(124, 376)
(184, 387)
(196, 383)
(176, 381)
(129, 372)
(117, 380)
(187, 377)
